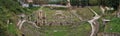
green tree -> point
(93, 2)
(110, 3)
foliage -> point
(9, 9)
(56, 1)
(110, 3)
(2, 29)
(75, 2)
(93, 2)
(79, 2)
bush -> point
(93, 2)
(56, 1)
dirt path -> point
(94, 23)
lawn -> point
(83, 30)
(113, 26)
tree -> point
(118, 14)
(110, 3)
(75, 2)
(107, 4)
(93, 2)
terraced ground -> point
(70, 26)
(74, 27)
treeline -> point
(73, 2)
(77, 2)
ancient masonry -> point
(41, 18)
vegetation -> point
(81, 29)
(10, 9)
(93, 2)
(113, 26)
(110, 3)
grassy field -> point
(113, 26)
(82, 30)
(79, 28)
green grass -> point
(57, 33)
(78, 30)
(56, 30)
(113, 25)
(12, 30)
(81, 30)
(97, 9)
(85, 13)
